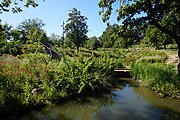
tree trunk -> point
(173, 35)
(77, 48)
(178, 66)
(164, 46)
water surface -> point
(129, 103)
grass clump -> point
(145, 55)
(160, 77)
(151, 59)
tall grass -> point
(159, 77)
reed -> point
(160, 77)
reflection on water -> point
(129, 103)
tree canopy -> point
(76, 28)
(134, 12)
(156, 38)
(106, 38)
(15, 5)
(32, 29)
(93, 43)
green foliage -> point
(34, 80)
(93, 43)
(151, 59)
(6, 5)
(108, 63)
(32, 30)
(106, 40)
(76, 28)
(9, 40)
(34, 58)
(154, 11)
(159, 77)
(112, 37)
(144, 55)
(4, 33)
(14, 47)
(156, 38)
(163, 14)
(122, 42)
(33, 47)
(55, 40)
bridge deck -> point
(122, 70)
(123, 74)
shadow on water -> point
(129, 103)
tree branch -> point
(169, 32)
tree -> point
(68, 43)
(32, 30)
(55, 39)
(4, 36)
(14, 5)
(15, 43)
(76, 28)
(156, 38)
(93, 43)
(106, 39)
(153, 37)
(15, 34)
(153, 12)
(121, 42)
(9, 40)
(112, 38)
(33, 34)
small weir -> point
(123, 74)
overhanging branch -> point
(169, 32)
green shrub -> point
(34, 58)
(144, 55)
(151, 59)
(33, 47)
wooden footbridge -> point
(122, 70)
(123, 74)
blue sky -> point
(54, 12)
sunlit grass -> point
(162, 78)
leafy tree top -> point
(76, 21)
(134, 12)
(76, 28)
(15, 5)
(28, 24)
(32, 29)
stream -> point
(126, 103)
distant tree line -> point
(27, 36)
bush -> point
(34, 47)
(145, 55)
(35, 58)
(151, 59)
